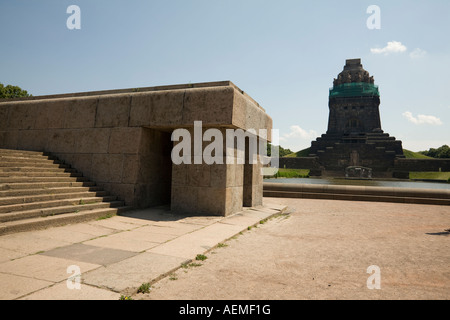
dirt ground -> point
(322, 250)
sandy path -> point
(322, 251)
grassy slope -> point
(301, 153)
(425, 175)
(414, 155)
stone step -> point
(7, 208)
(58, 220)
(35, 169)
(16, 174)
(43, 185)
(22, 152)
(51, 211)
(39, 191)
(33, 161)
(47, 191)
(25, 156)
(48, 197)
(12, 164)
(25, 179)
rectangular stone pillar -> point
(208, 189)
(253, 182)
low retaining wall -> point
(357, 193)
(421, 165)
(400, 169)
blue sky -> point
(284, 54)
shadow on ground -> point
(160, 213)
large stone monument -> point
(354, 137)
(121, 139)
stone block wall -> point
(92, 134)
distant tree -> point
(282, 152)
(441, 152)
(10, 92)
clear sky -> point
(284, 54)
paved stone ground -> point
(114, 256)
(322, 250)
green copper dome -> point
(354, 89)
(354, 81)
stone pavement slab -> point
(147, 234)
(132, 272)
(14, 286)
(115, 224)
(65, 234)
(90, 254)
(116, 255)
(130, 241)
(138, 221)
(27, 243)
(171, 227)
(61, 292)
(197, 242)
(6, 255)
(204, 221)
(43, 267)
(162, 234)
(75, 233)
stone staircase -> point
(39, 191)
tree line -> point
(282, 152)
(10, 92)
(441, 152)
